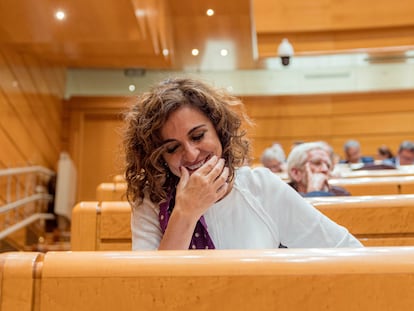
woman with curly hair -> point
(189, 186)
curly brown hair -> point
(145, 166)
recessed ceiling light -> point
(60, 15)
(131, 87)
(165, 52)
(194, 52)
(139, 13)
(210, 12)
(224, 52)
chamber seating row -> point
(376, 185)
(368, 279)
(372, 185)
(386, 220)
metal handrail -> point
(33, 198)
(26, 170)
(30, 195)
(25, 222)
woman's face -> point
(190, 140)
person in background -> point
(352, 152)
(188, 185)
(405, 155)
(309, 167)
(274, 158)
(384, 153)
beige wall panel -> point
(102, 153)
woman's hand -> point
(195, 194)
(198, 191)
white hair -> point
(275, 152)
(299, 155)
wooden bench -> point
(111, 191)
(101, 226)
(369, 185)
(376, 185)
(377, 173)
(368, 279)
(386, 220)
(17, 280)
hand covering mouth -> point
(195, 166)
(198, 164)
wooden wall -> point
(332, 26)
(92, 136)
(31, 93)
(372, 118)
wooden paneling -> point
(94, 140)
(369, 279)
(102, 134)
(30, 110)
(378, 219)
(326, 26)
(298, 15)
(374, 119)
(134, 33)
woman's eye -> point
(172, 149)
(198, 137)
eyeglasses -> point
(320, 162)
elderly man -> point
(405, 155)
(309, 166)
(352, 152)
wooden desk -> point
(374, 220)
(376, 185)
(386, 220)
(111, 191)
(368, 279)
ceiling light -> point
(224, 52)
(194, 52)
(131, 87)
(210, 12)
(139, 13)
(165, 52)
(60, 15)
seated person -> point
(352, 151)
(309, 166)
(384, 153)
(274, 158)
(405, 155)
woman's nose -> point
(190, 152)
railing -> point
(24, 197)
